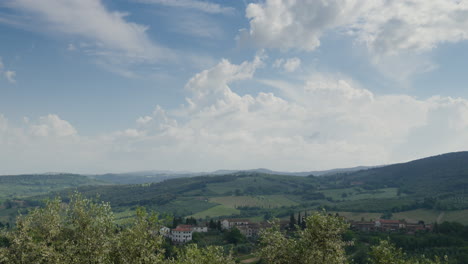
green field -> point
(217, 211)
(432, 216)
(352, 194)
(262, 201)
(356, 216)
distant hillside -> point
(34, 184)
(441, 176)
(436, 183)
(159, 176)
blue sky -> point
(94, 86)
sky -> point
(97, 86)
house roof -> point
(183, 228)
(386, 221)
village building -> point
(181, 234)
(199, 229)
(386, 225)
(389, 225)
(230, 223)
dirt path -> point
(250, 260)
(439, 218)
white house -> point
(181, 234)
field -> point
(262, 201)
(356, 216)
(352, 194)
(432, 216)
(219, 210)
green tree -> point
(292, 222)
(320, 242)
(387, 253)
(209, 255)
(81, 232)
(138, 244)
(234, 236)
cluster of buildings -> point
(183, 233)
(247, 228)
(385, 225)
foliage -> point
(387, 253)
(320, 242)
(209, 255)
(81, 232)
(85, 232)
(234, 236)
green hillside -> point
(17, 186)
(442, 180)
(435, 184)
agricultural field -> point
(262, 201)
(217, 211)
(352, 194)
(432, 216)
(357, 216)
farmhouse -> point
(181, 234)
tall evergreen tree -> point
(292, 222)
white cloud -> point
(10, 76)
(109, 31)
(386, 27)
(327, 121)
(203, 6)
(52, 125)
(292, 64)
(289, 65)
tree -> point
(209, 255)
(138, 244)
(234, 236)
(320, 242)
(77, 233)
(386, 253)
(85, 232)
(212, 224)
(292, 222)
(81, 232)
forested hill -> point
(32, 184)
(445, 173)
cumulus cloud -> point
(203, 6)
(52, 125)
(386, 27)
(324, 122)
